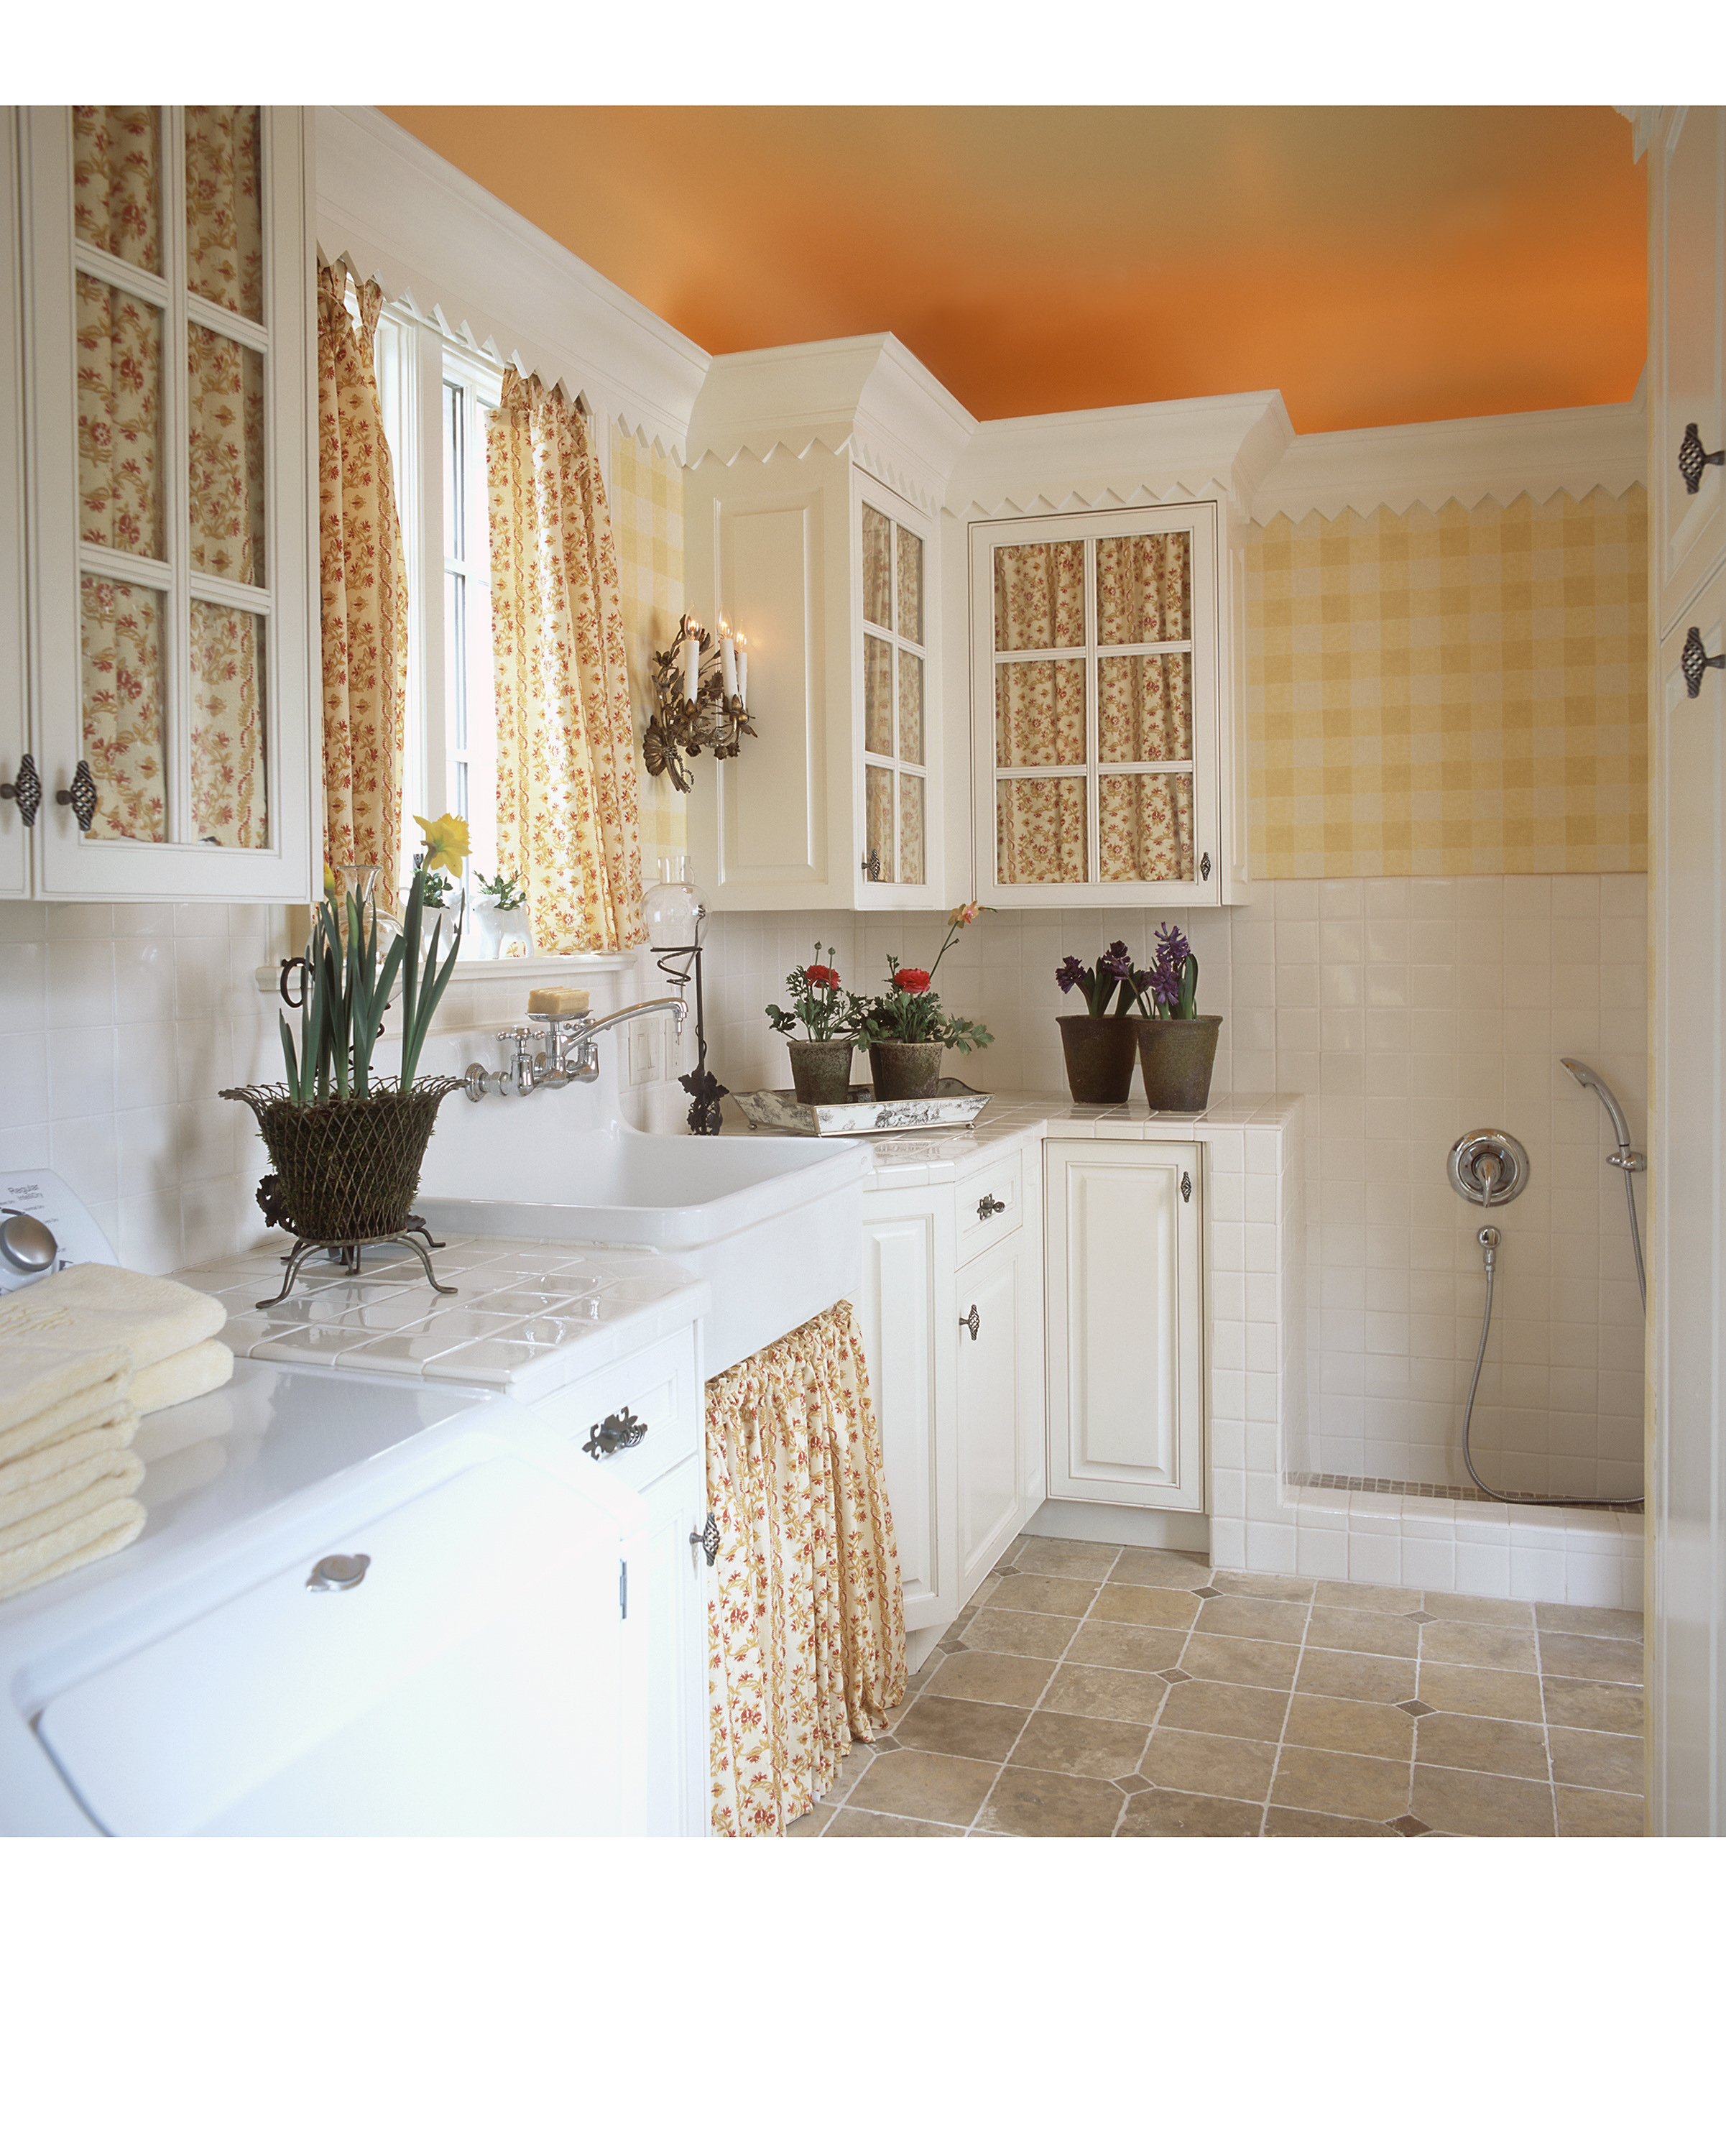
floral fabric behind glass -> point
(120, 660)
(910, 586)
(877, 568)
(225, 431)
(878, 818)
(1145, 833)
(1145, 708)
(363, 586)
(910, 708)
(806, 1619)
(1040, 597)
(116, 180)
(1144, 588)
(120, 386)
(569, 812)
(224, 228)
(1040, 830)
(228, 794)
(877, 695)
(910, 828)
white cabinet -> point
(1686, 271)
(1123, 1298)
(164, 360)
(959, 1402)
(14, 730)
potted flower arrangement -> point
(1176, 1046)
(500, 919)
(821, 1063)
(1101, 1044)
(346, 1146)
(905, 1029)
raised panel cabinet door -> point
(1688, 266)
(1686, 1286)
(1126, 1389)
(998, 1318)
(673, 1605)
(909, 1327)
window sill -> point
(515, 973)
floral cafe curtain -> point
(364, 583)
(568, 815)
(807, 1617)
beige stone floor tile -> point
(849, 1826)
(1580, 1703)
(1110, 1695)
(1386, 1678)
(1358, 1594)
(1483, 1746)
(1225, 1710)
(1166, 1606)
(1080, 1744)
(1587, 1759)
(1482, 1609)
(1019, 1632)
(929, 1785)
(968, 1729)
(1145, 1568)
(1024, 1801)
(1126, 1646)
(1595, 1624)
(1006, 1680)
(1454, 1801)
(1252, 1617)
(1179, 1813)
(1066, 1560)
(1268, 1663)
(1363, 1632)
(1345, 1783)
(1209, 1766)
(1456, 1688)
(1609, 1661)
(849, 1772)
(1276, 1587)
(1320, 1724)
(1043, 1592)
(1482, 1646)
(1584, 1812)
(1280, 1823)
(811, 1824)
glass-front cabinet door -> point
(1095, 707)
(890, 555)
(169, 486)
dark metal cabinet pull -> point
(1204, 868)
(970, 1322)
(989, 1205)
(618, 1433)
(81, 796)
(706, 1539)
(26, 790)
(1693, 460)
(1186, 1186)
(1694, 662)
(870, 864)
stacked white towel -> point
(81, 1356)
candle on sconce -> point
(728, 658)
(742, 668)
(692, 658)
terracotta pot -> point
(1177, 1053)
(821, 1070)
(905, 1070)
(1100, 1054)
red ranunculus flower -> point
(821, 976)
(912, 979)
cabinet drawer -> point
(989, 1204)
(657, 1387)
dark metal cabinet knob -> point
(970, 1323)
(81, 796)
(989, 1206)
(706, 1539)
(1186, 1187)
(870, 864)
(1694, 661)
(618, 1433)
(1693, 460)
(26, 790)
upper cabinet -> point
(811, 522)
(1687, 267)
(165, 269)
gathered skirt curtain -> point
(363, 578)
(569, 814)
(806, 1615)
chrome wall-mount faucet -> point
(566, 1053)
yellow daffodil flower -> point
(447, 843)
(329, 880)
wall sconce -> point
(700, 689)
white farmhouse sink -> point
(774, 1225)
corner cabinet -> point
(1123, 1298)
(159, 407)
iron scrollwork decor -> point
(618, 1433)
(700, 685)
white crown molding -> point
(1135, 453)
(1643, 119)
(866, 393)
(1467, 461)
(439, 244)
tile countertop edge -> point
(903, 1158)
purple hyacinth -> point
(1116, 961)
(1172, 948)
(1070, 974)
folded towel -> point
(95, 1534)
(107, 1307)
(39, 1376)
(193, 1371)
(122, 1474)
(95, 1407)
(33, 1469)
(21, 1504)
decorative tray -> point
(954, 1107)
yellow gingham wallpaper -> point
(647, 520)
(1456, 692)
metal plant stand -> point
(678, 961)
(415, 1236)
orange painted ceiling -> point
(1376, 265)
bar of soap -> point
(557, 1002)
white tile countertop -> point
(525, 1318)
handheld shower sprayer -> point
(1626, 1156)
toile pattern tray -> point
(953, 1108)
